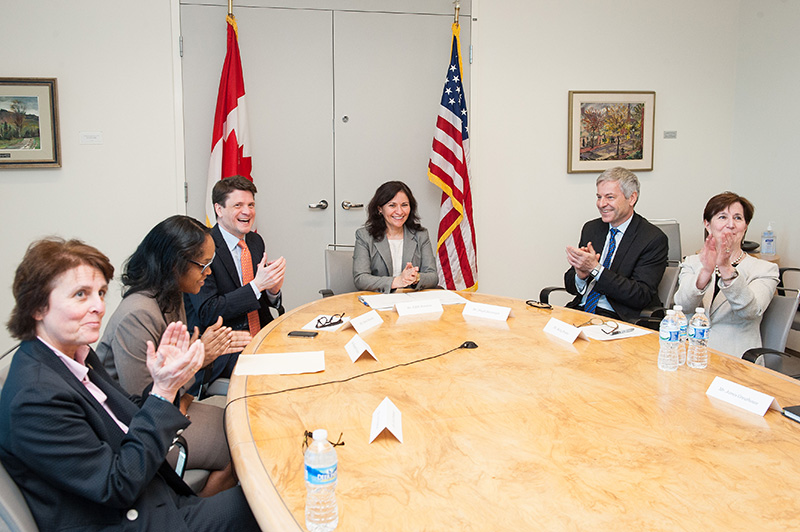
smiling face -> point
(395, 211)
(614, 207)
(238, 213)
(195, 275)
(728, 221)
(74, 310)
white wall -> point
(114, 65)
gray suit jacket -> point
(372, 261)
(736, 312)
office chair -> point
(338, 270)
(790, 278)
(775, 325)
(672, 229)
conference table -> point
(525, 432)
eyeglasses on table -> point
(607, 326)
(329, 321)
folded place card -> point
(427, 306)
(366, 321)
(357, 347)
(386, 417)
(281, 363)
(742, 396)
(483, 310)
(563, 331)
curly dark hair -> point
(35, 278)
(162, 258)
(376, 225)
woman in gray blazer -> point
(392, 249)
(734, 287)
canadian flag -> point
(230, 142)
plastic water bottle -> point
(322, 513)
(699, 327)
(683, 323)
(669, 334)
(768, 241)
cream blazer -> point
(736, 312)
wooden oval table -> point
(526, 432)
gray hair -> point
(627, 180)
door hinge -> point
(180, 45)
(185, 192)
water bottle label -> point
(698, 333)
(321, 476)
(670, 336)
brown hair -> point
(45, 261)
(223, 188)
(720, 202)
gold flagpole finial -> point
(458, 8)
(230, 7)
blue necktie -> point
(594, 295)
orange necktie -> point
(247, 276)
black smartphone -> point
(303, 334)
(792, 412)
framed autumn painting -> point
(29, 123)
(610, 128)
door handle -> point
(346, 205)
(322, 205)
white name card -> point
(742, 396)
(357, 347)
(563, 331)
(280, 363)
(427, 306)
(386, 417)
(366, 321)
(483, 310)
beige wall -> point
(723, 73)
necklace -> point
(738, 259)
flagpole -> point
(455, 21)
(230, 8)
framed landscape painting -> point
(29, 123)
(610, 128)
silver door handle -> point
(346, 205)
(322, 205)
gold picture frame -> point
(610, 128)
(29, 135)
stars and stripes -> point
(448, 169)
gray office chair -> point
(15, 515)
(790, 278)
(775, 325)
(338, 270)
(672, 229)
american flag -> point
(230, 140)
(448, 169)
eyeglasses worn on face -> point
(204, 266)
(607, 326)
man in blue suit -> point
(243, 284)
(616, 268)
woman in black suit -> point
(85, 454)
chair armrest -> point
(649, 322)
(544, 295)
(653, 312)
(326, 293)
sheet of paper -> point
(281, 363)
(366, 321)
(423, 306)
(482, 310)
(312, 325)
(384, 301)
(742, 396)
(562, 330)
(595, 332)
(445, 297)
(386, 416)
(357, 347)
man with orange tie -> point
(243, 284)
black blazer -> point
(223, 293)
(631, 282)
(72, 462)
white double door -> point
(338, 102)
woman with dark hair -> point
(392, 249)
(84, 453)
(174, 258)
(734, 287)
